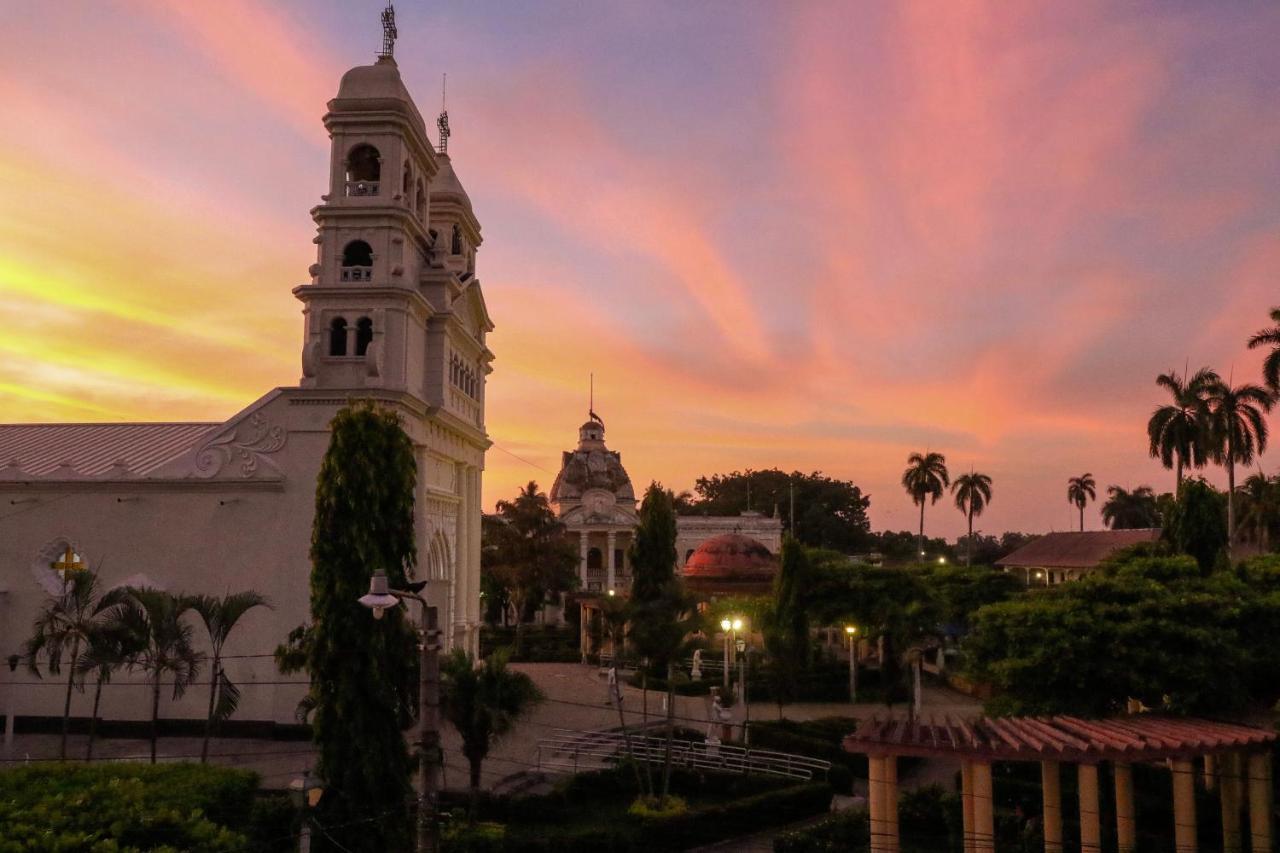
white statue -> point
(696, 672)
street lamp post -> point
(851, 631)
(743, 665)
(381, 597)
(729, 625)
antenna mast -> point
(443, 121)
(388, 32)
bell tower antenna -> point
(388, 32)
(443, 121)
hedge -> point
(122, 808)
(538, 643)
(816, 739)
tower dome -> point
(592, 467)
(377, 88)
(730, 564)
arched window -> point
(688, 554)
(364, 170)
(455, 245)
(357, 261)
(420, 201)
(406, 188)
(364, 335)
(618, 555)
(595, 560)
(338, 336)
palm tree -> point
(973, 493)
(1238, 432)
(483, 701)
(1270, 337)
(926, 477)
(64, 627)
(1179, 431)
(110, 647)
(1125, 510)
(220, 616)
(164, 648)
(1261, 495)
(1081, 490)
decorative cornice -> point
(247, 448)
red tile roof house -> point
(1057, 557)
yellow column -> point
(1051, 794)
(984, 825)
(1184, 806)
(1126, 824)
(1210, 772)
(1259, 768)
(966, 800)
(891, 801)
(876, 790)
(1090, 826)
(1229, 797)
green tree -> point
(1197, 523)
(653, 548)
(530, 554)
(67, 624)
(1239, 432)
(110, 647)
(483, 701)
(363, 675)
(162, 644)
(1081, 490)
(1179, 431)
(830, 513)
(972, 493)
(786, 627)
(1260, 510)
(1129, 510)
(220, 616)
(925, 478)
(1270, 338)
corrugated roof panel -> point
(92, 449)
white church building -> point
(393, 312)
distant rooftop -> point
(1075, 550)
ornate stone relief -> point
(246, 449)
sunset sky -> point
(798, 234)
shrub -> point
(538, 643)
(119, 808)
(652, 808)
(846, 832)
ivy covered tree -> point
(1196, 523)
(363, 673)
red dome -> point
(730, 563)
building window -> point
(357, 261)
(406, 185)
(338, 336)
(420, 201)
(364, 170)
(618, 555)
(595, 560)
(364, 335)
(455, 245)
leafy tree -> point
(110, 646)
(1260, 510)
(162, 644)
(67, 624)
(903, 546)
(530, 554)
(786, 628)
(483, 701)
(926, 477)
(1238, 432)
(1270, 337)
(972, 492)
(957, 592)
(1081, 490)
(1129, 510)
(830, 513)
(220, 616)
(1196, 523)
(653, 547)
(363, 674)
(1179, 431)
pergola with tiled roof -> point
(1235, 750)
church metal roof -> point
(87, 450)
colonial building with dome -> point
(393, 312)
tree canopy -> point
(527, 553)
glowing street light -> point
(728, 625)
(851, 631)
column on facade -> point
(1259, 774)
(1090, 825)
(1229, 794)
(474, 545)
(891, 801)
(984, 825)
(456, 578)
(1051, 794)
(877, 792)
(1126, 820)
(966, 803)
(583, 544)
(611, 577)
(1184, 806)
(1210, 772)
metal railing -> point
(357, 273)
(574, 751)
(362, 188)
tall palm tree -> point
(925, 478)
(164, 647)
(1261, 511)
(64, 627)
(1126, 510)
(483, 700)
(972, 492)
(110, 646)
(1270, 337)
(1238, 431)
(1179, 431)
(1081, 490)
(220, 616)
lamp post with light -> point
(851, 631)
(729, 625)
(379, 598)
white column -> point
(582, 560)
(612, 538)
(457, 571)
(473, 558)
